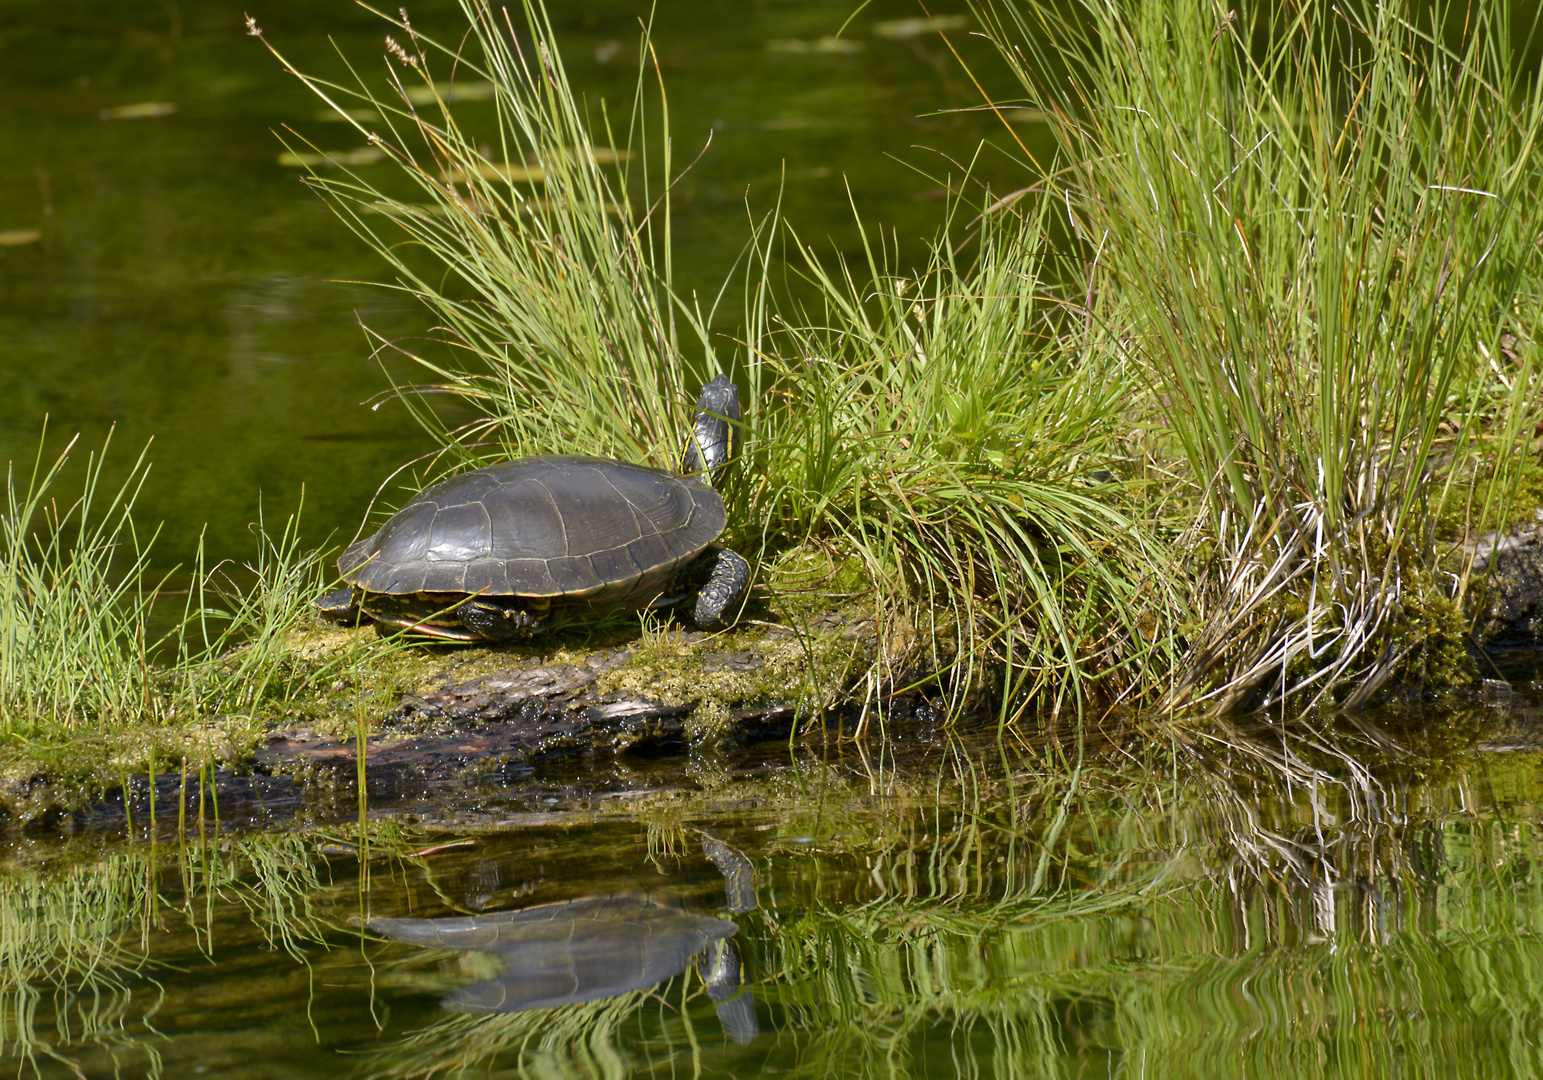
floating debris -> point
(607, 51)
(18, 237)
(791, 123)
(524, 205)
(529, 174)
(471, 91)
(830, 45)
(144, 110)
(364, 116)
(899, 29)
(364, 155)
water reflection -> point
(578, 950)
(598, 947)
(1186, 902)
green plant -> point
(549, 245)
(946, 429)
(74, 602)
(93, 648)
(247, 619)
(937, 432)
(1311, 229)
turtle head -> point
(714, 437)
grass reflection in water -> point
(1270, 905)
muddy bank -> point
(1508, 588)
(437, 719)
(471, 777)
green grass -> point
(1227, 437)
(945, 429)
(104, 668)
(1311, 233)
(932, 429)
(548, 260)
(1201, 415)
(75, 602)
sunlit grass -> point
(548, 249)
(940, 428)
(75, 600)
(103, 666)
(928, 427)
(1311, 229)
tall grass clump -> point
(924, 425)
(1311, 229)
(557, 309)
(938, 427)
(100, 659)
(75, 600)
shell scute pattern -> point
(575, 527)
(459, 533)
(526, 519)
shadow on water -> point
(1325, 896)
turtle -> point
(599, 946)
(509, 551)
(573, 950)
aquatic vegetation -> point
(106, 669)
(1204, 445)
(1214, 441)
(1272, 338)
(931, 428)
(75, 601)
(1310, 232)
(561, 326)
(941, 431)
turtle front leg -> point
(499, 622)
(725, 576)
(340, 606)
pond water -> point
(1326, 898)
(1309, 900)
(162, 271)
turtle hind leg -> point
(725, 577)
(498, 622)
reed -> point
(75, 600)
(1313, 231)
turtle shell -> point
(580, 528)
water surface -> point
(1328, 900)
(185, 286)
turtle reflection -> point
(597, 947)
